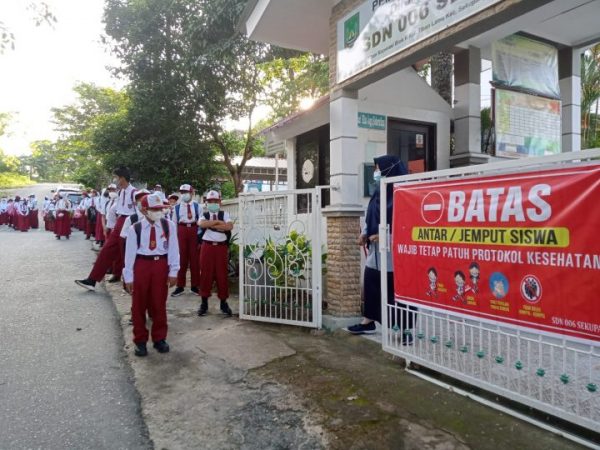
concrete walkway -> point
(228, 384)
(64, 380)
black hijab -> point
(390, 166)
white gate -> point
(560, 376)
(281, 257)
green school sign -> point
(379, 29)
(372, 121)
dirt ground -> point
(236, 384)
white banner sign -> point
(379, 29)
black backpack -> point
(138, 229)
(220, 216)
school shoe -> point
(225, 309)
(407, 340)
(203, 308)
(161, 346)
(114, 279)
(86, 283)
(195, 291)
(141, 349)
(177, 292)
(360, 328)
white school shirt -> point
(127, 224)
(168, 247)
(63, 204)
(125, 204)
(111, 214)
(215, 236)
(3, 206)
(183, 216)
(32, 203)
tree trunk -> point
(441, 75)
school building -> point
(378, 103)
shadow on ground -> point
(238, 384)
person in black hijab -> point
(385, 166)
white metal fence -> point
(281, 263)
(556, 375)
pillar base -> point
(332, 323)
(468, 159)
(343, 266)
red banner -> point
(521, 249)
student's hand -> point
(374, 238)
(172, 281)
(362, 240)
(129, 287)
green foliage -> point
(76, 155)
(590, 96)
(13, 180)
(286, 261)
(40, 14)
(290, 78)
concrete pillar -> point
(569, 74)
(343, 213)
(467, 109)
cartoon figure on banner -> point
(474, 275)
(432, 290)
(461, 287)
(498, 285)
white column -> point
(467, 109)
(345, 158)
(569, 70)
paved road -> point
(60, 387)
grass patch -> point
(14, 180)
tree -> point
(590, 94)
(291, 77)
(441, 75)
(41, 13)
(79, 124)
(189, 67)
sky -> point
(46, 63)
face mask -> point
(377, 176)
(155, 216)
(186, 197)
(112, 194)
(213, 207)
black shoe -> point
(195, 291)
(407, 340)
(225, 309)
(140, 349)
(161, 346)
(88, 284)
(58, 237)
(114, 279)
(67, 237)
(359, 328)
(203, 307)
(177, 292)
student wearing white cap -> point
(186, 216)
(159, 191)
(216, 228)
(151, 266)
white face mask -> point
(186, 197)
(213, 207)
(155, 216)
(377, 176)
(112, 194)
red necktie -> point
(152, 244)
(189, 212)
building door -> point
(414, 143)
